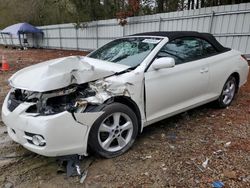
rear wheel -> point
(228, 93)
(114, 132)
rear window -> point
(208, 49)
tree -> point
(160, 6)
(46, 12)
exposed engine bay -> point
(74, 98)
(52, 102)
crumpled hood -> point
(62, 72)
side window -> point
(182, 49)
(208, 49)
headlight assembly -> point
(73, 102)
(64, 103)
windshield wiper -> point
(126, 70)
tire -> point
(114, 132)
(228, 93)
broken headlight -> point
(53, 108)
(73, 101)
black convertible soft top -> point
(178, 34)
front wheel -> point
(228, 93)
(114, 132)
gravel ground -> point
(170, 153)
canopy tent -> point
(21, 29)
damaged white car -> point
(102, 101)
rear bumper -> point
(62, 133)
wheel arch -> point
(131, 104)
(236, 75)
(119, 103)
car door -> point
(171, 90)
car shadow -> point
(172, 124)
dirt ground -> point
(169, 153)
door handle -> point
(204, 70)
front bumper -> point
(62, 133)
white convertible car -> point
(101, 102)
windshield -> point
(126, 51)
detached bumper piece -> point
(72, 165)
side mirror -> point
(163, 62)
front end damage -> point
(52, 105)
(58, 122)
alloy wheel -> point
(115, 132)
(228, 92)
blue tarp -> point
(21, 28)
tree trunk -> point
(192, 5)
(189, 2)
(160, 5)
(202, 3)
(197, 4)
